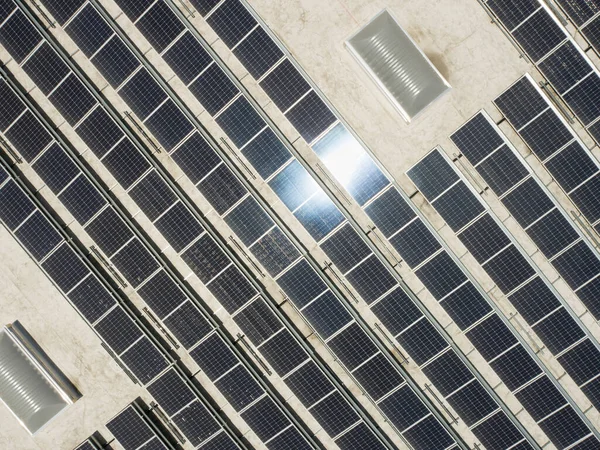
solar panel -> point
(179, 226)
(422, 341)
(19, 36)
(214, 356)
(196, 157)
(221, 441)
(12, 106)
(28, 136)
(432, 175)
(89, 30)
(187, 57)
(99, 132)
(130, 429)
(249, 230)
(118, 330)
(285, 85)
(91, 298)
(135, 262)
(169, 125)
(359, 437)
(559, 331)
(62, 98)
(491, 337)
(258, 321)
(498, 431)
(65, 268)
(142, 93)
(516, 367)
(352, 346)
(82, 199)
(458, 206)
(232, 289)
(240, 121)
(502, 170)
(115, 61)
(283, 352)
(265, 418)
(472, 403)
(55, 168)
(38, 236)
(335, 414)
(466, 306)
(231, 21)
(440, 275)
(258, 53)
(153, 195)
(564, 427)
(266, 153)
(206, 258)
(162, 294)
(509, 269)
(319, 216)
(571, 167)
(540, 398)
(171, 392)
(539, 34)
(377, 376)
(403, 408)
(311, 117)
(239, 388)
(274, 251)
(187, 324)
(326, 314)
(222, 189)
(46, 69)
(447, 372)
(294, 185)
(371, 279)
(213, 89)
(109, 231)
(290, 438)
(160, 26)
(396, 311)
(144, 360)
(309, 384)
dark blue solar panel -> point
(239, 388)
(129, 429)
(541, 398)
(552, 233)
(258, 322)
(403, 408)
(249, 221)
(564, 427)
(196, 423)
(534, 300)
(232, 289)
(115, 61)
(12, 106)
(577, 265)
(16, 206)
(38, 236)
(559, 331)
(196, 157)
(45, 68)
(179, 226)
(135, 262)
(319, 216)
(65, 268)
(583, 99)
(580, 11)
(301, 283)
(516, 367)
(466, 306)
(433, 175)
(144, 360)
(422, 341)
(187, 57)
(231, 21)
(109, 231)
(258, 52)
(91, 298)
(99, 132)
(511, 103)
(89, 30)
(285, 85)
(502, 170)
(162, 294)
(326, 314)
(428, 433)
(266, 153)
(447, 372)
(142, 93)
(134, 9)
(309, 384)
(334, 414)
(396, 311)
(118, 330)
(472, 403)
(153, 195)
(283, 352)
(311, 117)
(528, 202)
(509, 269)
(204, 6)
(213, 89)
(513, 12)
(378, 377)
(389, 212)
(126, 163)
(546, 134)
(565, 67)
(274, 251)
(160, 25)
(441, 275)
(56, 168)
(484, 238)
(265, 418)
(346, 248)
(497, 432)
(589, 295)
(415, 243)
(290, 438)
(293, 185)
(587, 198)
(240, 121)
(28, 136)
(476, 139)
(491, 337)
(82, 199)
(214, 357)
(371, 279)
(72, 99)
(171, 392)
(458, 206)
(352, 346)
(169, 125)
(18, 36)
(572, 166)
(581, 362)
(187, 324)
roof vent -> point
(397, 65)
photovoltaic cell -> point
(187, 324)
(232, 289)
(571, 167)
(378, 377)
(258, 53)
(559, 331)
(285, 85)
(491, 337)
(135, 262)
(160, 26)
(326, 315)
(583, 99)
(169, 125)
(565, 67)
(179, 226)
(290, 438)
(294, 185)
(187, 57)
(283, 352)
(213, 89)
(319, 216)
(447, 372)
(502, 170)
(345, 248)
(466, 306)
(359, 436)
(142, 93)
(415, 243)
(240, 121)
(134, 9)
(588, 295)
(109, 231)
(266, 153)
(249, 230)
(161, 294)
(509, 269)
(222, 189)
(45, 68)
(28, 136)
(301, 283)
(396, 311)
(16, 206)
(513, 12)
(231, 21)
(579, 11)
(196, 157)
(564, 427)
(12, 106)
(390, 212)
(38, 236)
(577, 265)
(540, 398)
(221, 441)
(258, 322)
(534, 300)
(528, 202)
(433, 175)
(371, 279)
(56, 168)
(18, 36)
(196, 423)
(126, 163)
(484, 238)
(118, 330)
(265, 418)
(311, 117)
(99, 132)
(115, 61)
(458, 206)
(440, 275)
(472, 403)
(582, 362)
(82, 199)
(497, 432)
(129, 429)
(516, 367)
(309, 384)
(89, 30)
(72, 99)
(552, 233)
(477, 138)
(352, 346)
(214, 357)
(335, 414)
(65, 268)
(403, 408)
(91, 298)
(144, 360)
(153, 195)
(587, 198)
(239, 388)
(539, 34)
(546, 134)
(274, 251)
(422, 341)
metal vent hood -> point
(397, 65)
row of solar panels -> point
(493, 248)
(344, 342)
(555, 53)
(322, 154)
(393, 299)
(214, 268)
(144, 15)
(88, 294)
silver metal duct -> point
(25, 388)
(397, 65)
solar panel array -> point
(229, 285)
(556, 54)
(395, 298)
(115, 325)
(249, 208)
(560, 150)
(531, 295)
(586, 17)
